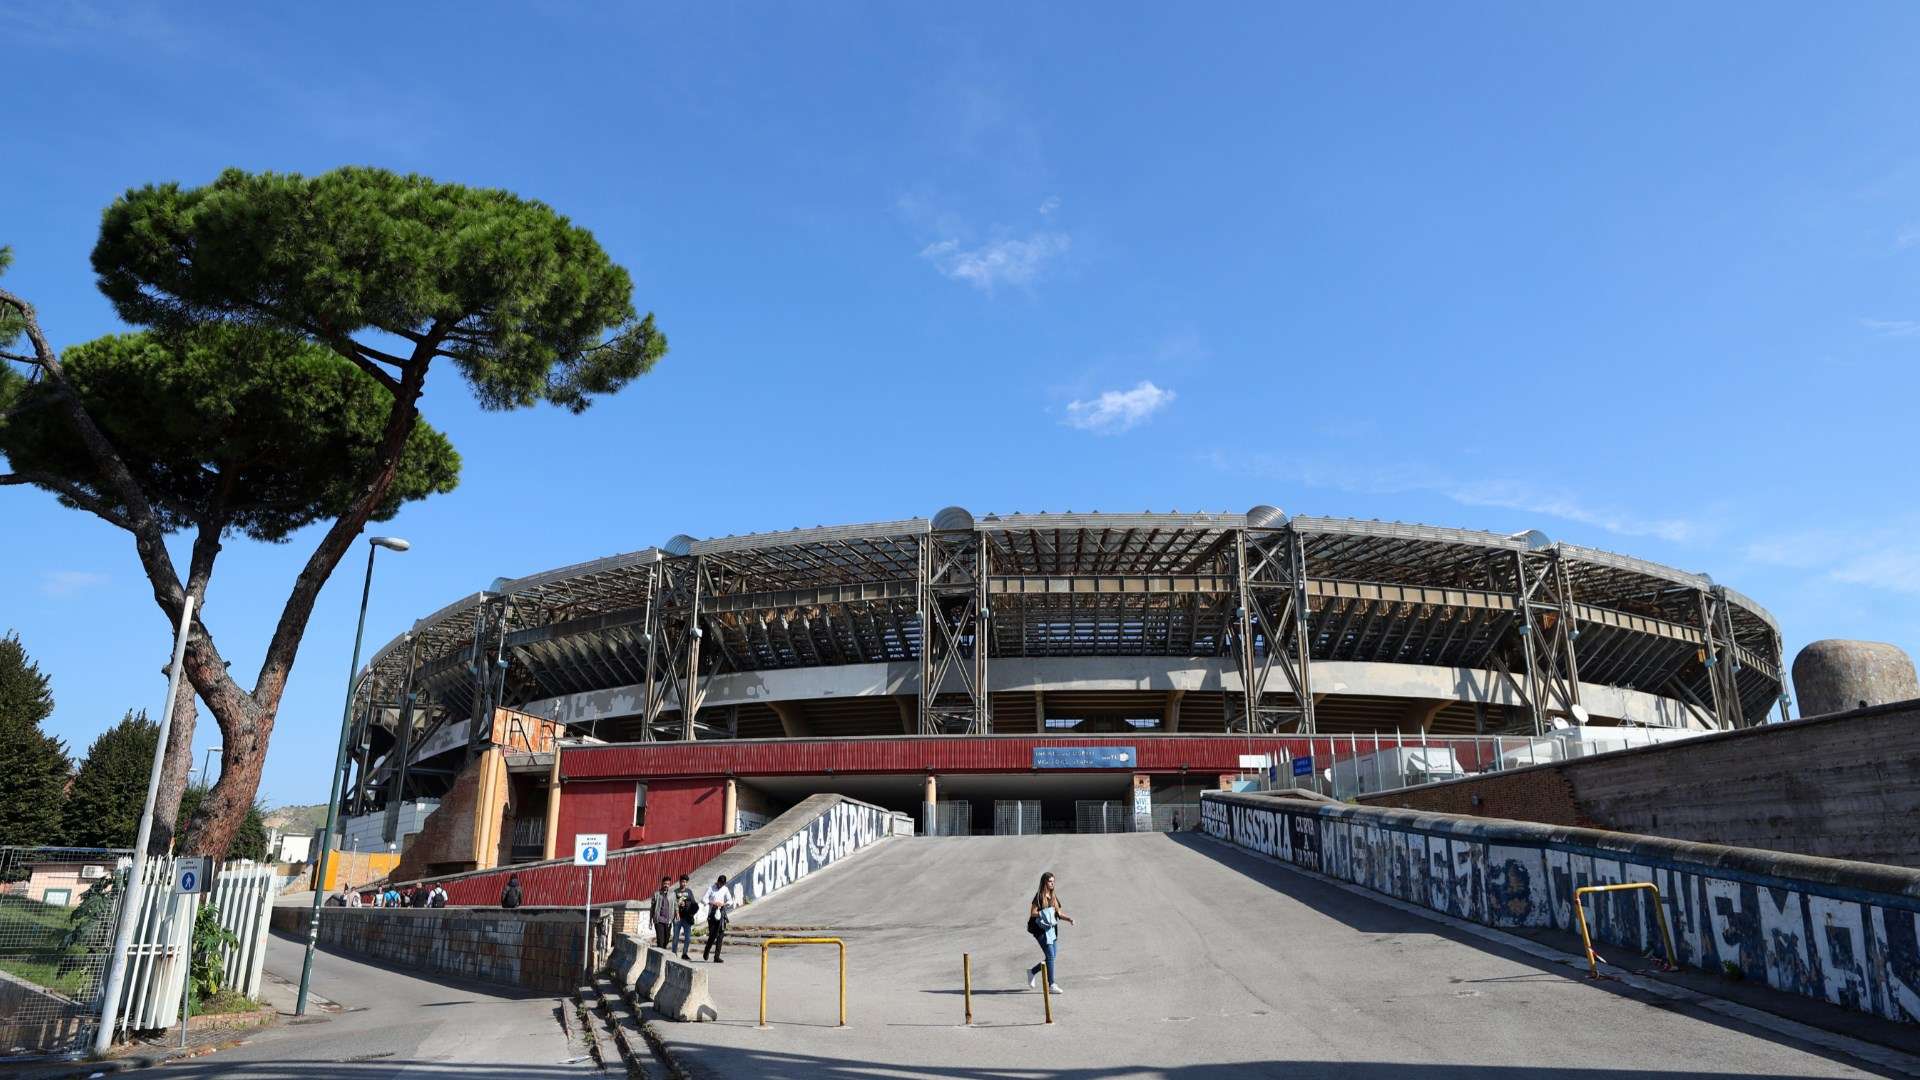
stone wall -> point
(1845, 932)
(1844, 786)
(532, 948)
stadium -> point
(1072, 670)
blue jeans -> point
(682, 936)
(1051, 950)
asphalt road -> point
(390, 1024)
(1188, 960)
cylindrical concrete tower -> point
(1835, 675)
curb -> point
(1858, 1049)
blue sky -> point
(1643, 277)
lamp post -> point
(335, 780)
(206, 760)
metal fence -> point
(58, 911)
(1344, 766)
(944, 818)
(1102, 816)
(1175, 816)
(1016, 817)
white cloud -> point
(997, 262)
(1887, 557)
(1115, 411)
(1908, 237)
(1498, 493)
(68, 582)
(1892, 327)
(1052, 203)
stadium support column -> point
(1717, 654)
(402, 753)
(490, 669)
(1270, 628)
(676, 632)
(953, 630)
(1548, 629)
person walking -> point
(719, 900)
(510, 896)
(353, 898)
(685, 907)
(1043, 922)
(663, 912)
(438, 897)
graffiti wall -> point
(837, 832)
(1845, 932)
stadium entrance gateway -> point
(648, 793)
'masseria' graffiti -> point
(1847, 933)
(837, 833)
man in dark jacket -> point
(510, 896)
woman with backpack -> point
(1043, 922)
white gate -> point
(243, 894)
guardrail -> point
(780, 942)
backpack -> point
(689, 907)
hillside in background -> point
(297, 819)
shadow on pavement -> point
(447, 980)
(716, 1063)
(1379, 918)
(365, 1069)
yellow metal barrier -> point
(771, 943)
(1586, 938)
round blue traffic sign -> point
(591, 854)
(188, 879)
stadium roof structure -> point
(1263, 596)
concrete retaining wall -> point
(818, 832)
(533, 948)
(1846, 932)
(1845, 786)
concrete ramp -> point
(1188, 959)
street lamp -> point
(206, 758)
(337, 780)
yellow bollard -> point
(1046, 988)
(966, 983)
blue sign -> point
(1303, 766)
(1084, 757)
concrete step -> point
(627, 1034)
(593, 1030)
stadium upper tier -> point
(1021, 619)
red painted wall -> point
(677, 809)
(628, 875)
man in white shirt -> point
(353, 897)
(719, 900)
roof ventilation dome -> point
(679, 546)
(1266, 516)
(952, 519)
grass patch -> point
(226, 1001)
(30, 948)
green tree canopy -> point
(525, 303)
(388, 272)
(108, 793)
(243, 428)
(33, 764)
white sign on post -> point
(192, 874)
(589, 850)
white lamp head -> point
(391, 543)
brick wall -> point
(1843, 786)
(1542, 794)
(531, 948)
